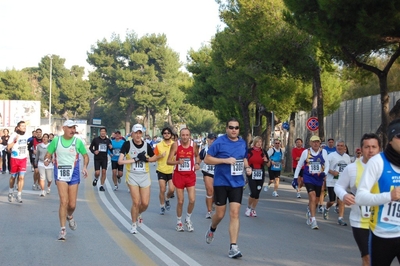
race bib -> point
(237, 168)
(185, 166)
(341, 167)
(102, 147)
(256, 174)
(64, 172)
(139, 166)
(391, 213)
(315, 167)
(365, 211)
(22, 150)
(115, 152)
(276, 165)
(210, 169)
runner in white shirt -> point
(338, 160)
(379, 188)
(18, 145)
(350, 178)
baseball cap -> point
(69, 123)
(211, 136)
(137, 127)
(315, 138)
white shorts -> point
(141, 180)
(46, 174)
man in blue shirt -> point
(229, 155)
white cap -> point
(69, 123)
(137, 127)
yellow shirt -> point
(162, 162)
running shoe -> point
(213, 207)
(162, 212)
(336, 209)
(19, 199)
(10, 197)
(341, 222)
(172, 196)
(266, 188)
(234, 252)
(308, 216)
(253, 213)
(34, 187)
(71, 223)
(275, 194)
(42, 194)
(247, 213)
(209, 236)
(208, 215)
(167, 205)
(314, 225)
(119, 179)
(95, 182)
(298, 195)
(48, 191)
(139, 221)
(326, 214)
(62, 234)
(189, 225)
(320, 209)
(115, 188)
(179, 227)
(102, 188)
(133, 229)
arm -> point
(370, 176)
(124, 150)
(300, 164)
(152, 156)
(85, 164)
(197, 157)
(171, 160)
(91, 147)
(11, 142)
(344, 182)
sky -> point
(32, 29)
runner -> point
(117, 169)
(18, 145)
(275, 155)
(257, 158)
(208, 176)
(296, 153)
(338, 160)
(36, 176)
(350, 178)
(137, 154)
(379, 188)
(229, 155)
(99, 147)
(185, 156)
(45, 172)
(6, 156)
(316, 165)
(66, 150)
(164, 171)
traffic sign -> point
(312, 124)
(285, 125)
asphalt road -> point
(278, 236)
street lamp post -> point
(51, 72)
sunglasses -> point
(277, 143)
(232, 127)
(397, 136)
(168, 133)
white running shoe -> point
(234, 252)
(133, 229)
(248, 211)
(72, 224)
(253, 213)
(62, 234)
(139, 221)
(179, 227)
(314, 225)
(208, 215)
(19, 199)
(10, 197)
(115, 188)
(48, 190)
(189, 225)
(298, 195)
(275, 194)
(209, 236)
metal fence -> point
(350, 121)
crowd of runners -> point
(368, 181)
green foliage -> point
(15, 85)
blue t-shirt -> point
(329, 150)
(117, 145)
(223, 147)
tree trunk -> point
(320, 103)
(290, 142)
(385, 118)
(128, 116)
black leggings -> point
(383, 250)
(255, 186)
(6, 161)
